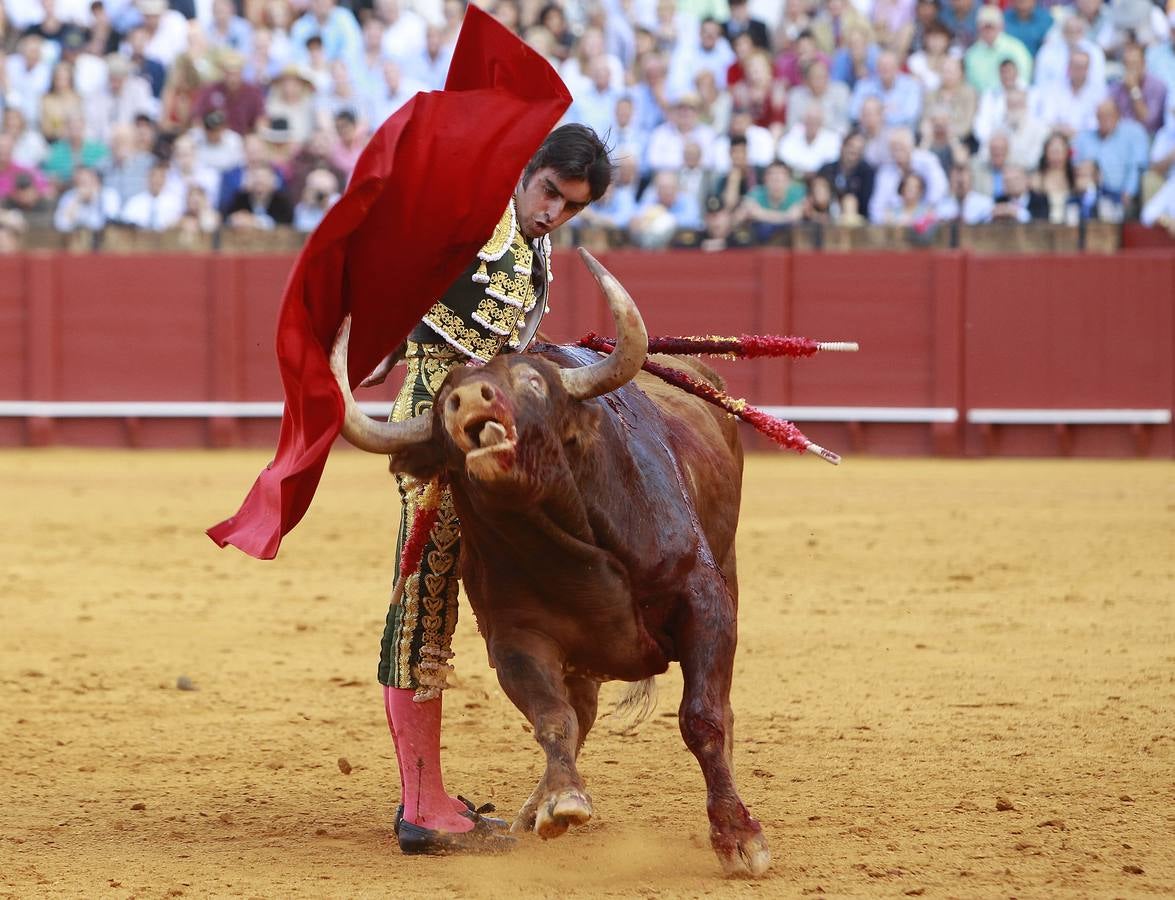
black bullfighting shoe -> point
(481, 838)
(475, 813)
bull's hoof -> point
(747, 857)
(560, 811)
(524, 821)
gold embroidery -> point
(459, 334)
(499, 241)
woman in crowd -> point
(1054, 177)
(60, 103)
(763, 95)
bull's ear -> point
(582, 424)
(422, 461)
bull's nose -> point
(471, 397)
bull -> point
(598, 509)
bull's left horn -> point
(632, 342)
(359, 428)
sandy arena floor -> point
(920, 642)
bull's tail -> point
(635, 705)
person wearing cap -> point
(240, 102)
(983, 58)
(291, 99)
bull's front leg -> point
(706, 639)
(531, 671)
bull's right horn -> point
(632, 342)
(359, 428)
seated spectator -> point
(741, 21)
(1026, 133)
(1160, 62)
(125, 170)
(1028, 22)
(772, 206)
(27, 75)
(959, 98)
(147, 137)
(280, 147)
(335, 27)
(1090, 199)
(667, 142)
(228, 31)
(1017, 203)
(88, 205)
(369, 70)
(993, 102)
(710, 52)
(962, 18)
(910, 207)
(1054, 56)
(1053, 179)
(1120, 147)
(217, 146)
(28, 146)
(53, 28)
(762, 95)
(742, 176)
(792, 63)
(405, 31)
(348, 145)
(1069, 106)
(662, 210)
(156, 209)
(431, 65)
(694, 178)
(983, 58)
(872, 128)
(1160, 209)
(720, 232)
(71, 151)
(320, 194)
(268, 56)
(595, 104)
(241, 103)
(851, 174)
(259, 204)
(31, 203)
(317, 154)
(833, 24)
(186, 170)
(60, 104)
(135, 49)
(904, 159)
(832, 96)
(900, 94)
(126, 96)
(198, 216)
(856, 60)
(964, 204)
(808, 145)
(614, 211)
(893, 25)
(819, 204)
(291, 99)
(716, 106)
(649, 93)
(180, 91)
(987, 167)
(257, 153)
(1139, 95)
(937, 138)
(926, 65)
(625, 137)
(391, 95)
(165, 31)
(342, 95)
(760, 145)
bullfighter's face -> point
(545, 201)
(507, 426)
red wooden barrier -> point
(955, 347)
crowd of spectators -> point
(731, 120)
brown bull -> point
(598, 545)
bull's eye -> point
(454, 403)
(533, 382)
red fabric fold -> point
(425, 195)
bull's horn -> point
(359, 428)
(632, 342)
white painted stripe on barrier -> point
(1069, 416)
(917, 414)
(84, 409)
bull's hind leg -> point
(706, 641)
(530, 670)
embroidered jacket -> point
(497, 301)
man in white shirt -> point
(87, 205)
(167, 31)
(667, 142)
(808, 145)
(712, 53)
(155, 209)
(963, 203)
(218, 147)
(905, 158)
(27, 73)
(404, 30)
(832, 96)
(1052, 60)
(761, 145)
(1071, 105)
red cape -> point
(425, 196)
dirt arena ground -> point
(955, 679)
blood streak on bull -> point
(579, 521)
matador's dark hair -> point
(574, 152)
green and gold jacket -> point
(498, 301)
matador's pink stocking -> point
(416, 733)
